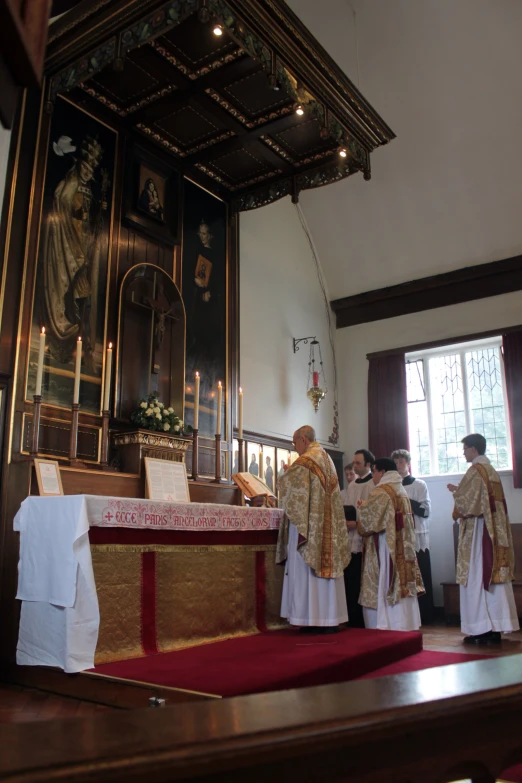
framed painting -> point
(204, 291)
(152, 197)
(74, 244)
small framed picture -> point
(48, 477)
(152, 196)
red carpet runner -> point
(427, 659)
(277, 660)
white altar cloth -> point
(60, 617)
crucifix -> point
(161, 310)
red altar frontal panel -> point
(162, 590)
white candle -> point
(240, 415)
(196, 402)
(218, 423)
(108, 373)
(77, 370)
(39, 371)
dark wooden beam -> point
(428, 293)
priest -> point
(391, 578)
(313, 540)
(486, 558)
(417, 491)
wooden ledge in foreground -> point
(435, 725)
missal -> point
(251, 486)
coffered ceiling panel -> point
(217, 84)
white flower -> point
(176, 427)
(160, 404)
(166, 426)
(158, 416)
(170, 410)
(143, 404)
(156, 410)
(148, 412)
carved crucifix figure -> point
(162, 310)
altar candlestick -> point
(77, 370)
(240, 414)
(39, 371)
(108, 373)
(218, 423)
(196, 402)
(316, 378)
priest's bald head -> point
(302, 438)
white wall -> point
(446, 193)
(446, 322)
(280, 298)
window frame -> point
(460, 348)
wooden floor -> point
(26, 704)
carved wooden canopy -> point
(222, 105)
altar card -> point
(166, 480)
(48, 477)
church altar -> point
(104, 579)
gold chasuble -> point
(310, 496)
(480, 494)
(388, 510)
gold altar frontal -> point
(187, 589)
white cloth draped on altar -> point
(59, 617)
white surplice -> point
(307, 599)
(485, 610)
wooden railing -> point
(431, 726)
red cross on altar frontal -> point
(108, 516)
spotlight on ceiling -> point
(217, 29)
(299, 109)
(343, 152)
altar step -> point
(276, 660)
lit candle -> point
(316, 378)
(108, 372)
(196, 402)
(77, 370)
(39, 371)
(240, 415)
(218, 423)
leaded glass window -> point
(451, 394)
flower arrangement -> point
(151, 414)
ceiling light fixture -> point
(343, 152)
(217, 30)
(299, 109)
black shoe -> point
(329, 629)
(495, 637)
(310, 629)
(481, 638)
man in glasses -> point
(313, 540)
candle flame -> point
(240, 390)
(197, 374)
(219, 383)
(43, 329)
(79, 339)
(110, 346)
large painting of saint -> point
(71, 281)
(204, 283)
